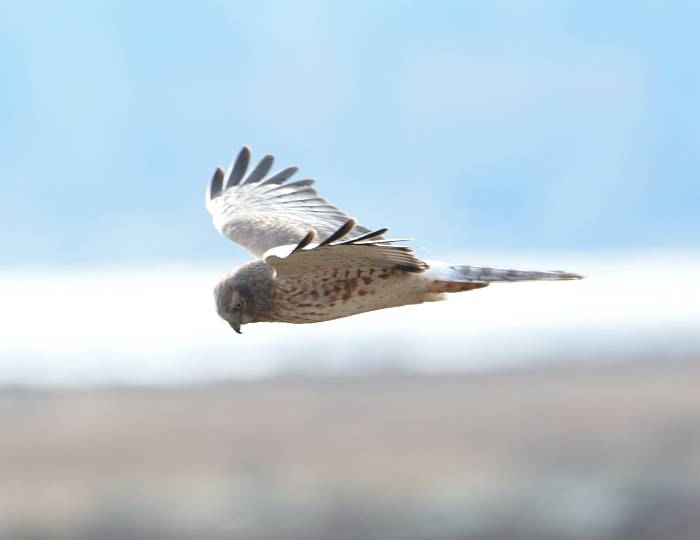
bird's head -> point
(245, 295)
(231, 303)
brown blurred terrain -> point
(603, 452)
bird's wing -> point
(337, 251)
(261, 212)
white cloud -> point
(158, 324)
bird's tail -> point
(464, 274)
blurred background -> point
(535, 134)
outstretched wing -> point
(337, 252)
(261, 212)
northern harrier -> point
(314, 262)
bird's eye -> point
(240, 304)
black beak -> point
(236, 322)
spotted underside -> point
(323, 295)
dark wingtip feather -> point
(217, 183)
(282, 176)
(344, 229)
(261, 170)
(299, 183)
(239, 168)
(305, 241)
(368, 236)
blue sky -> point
(525, 125)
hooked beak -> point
(236, 322)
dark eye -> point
(240, 304)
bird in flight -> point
(314, 263)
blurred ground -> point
(567, 452)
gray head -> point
(245, 295)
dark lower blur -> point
(608, 452)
